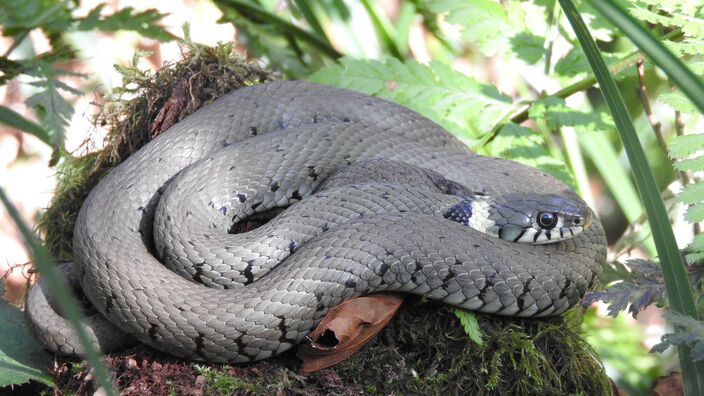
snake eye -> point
(547, 220)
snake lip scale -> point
(373, 189)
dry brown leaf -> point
(670, 385)
(346, 328)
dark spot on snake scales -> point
(230, 115)
(318, 296)
(325, 227)
(199, 269)
(526, 285)
(141, 208)
(108, 303)
(449, 276)
(385, 195)
(568, 283)
(282, 125)
(253, 131)
(351, 283)
(296, 195)
(311, 172)
(152, 331)
(242, 197)
(168, 217)
(279, 149)
(521, 302)
(248, 272)
(383, 268)
(489, 282)
(291, 247)
(199, 344)
(273, 186)
(256, 205)
(476, 246)
(223, 210)
(346, 119)
(188, 213)
(240, 343)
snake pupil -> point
(547, 220)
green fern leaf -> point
(557, 114)
(492, 27)
(682, 146)
(679, 102)
(459, 103)
(526, 146)
(470, 324)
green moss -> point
(219, 382)
(424, 350)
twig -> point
(642, 93)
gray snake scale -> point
(269, 145)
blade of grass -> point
(678, 290)
(383, 29)
(405, 18)
(14, 119)
(310, 17)
(257, 13)
(41, 258)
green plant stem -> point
(678, 291)
(42, 260)
(254, 12)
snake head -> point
(526, 218)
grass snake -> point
(389, 200)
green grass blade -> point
(383, 29)
(310, 17)
(681, 75)
(678, 290)
(41, 258)
(256, 12)
(14, 119)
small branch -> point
(642, 94)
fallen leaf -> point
(346, 328)
(670, 385)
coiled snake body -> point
(272, 144)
